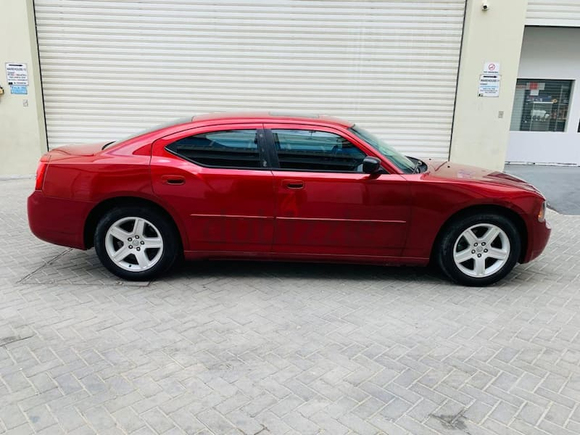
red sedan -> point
(267, 186)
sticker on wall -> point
(491, 67)
(489, 85)
(19, 90)
(17, 74)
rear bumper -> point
(538, 237)
(56, 220)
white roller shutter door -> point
(562, 13)
(111, 68)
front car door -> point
(216, 178)
(326, 206)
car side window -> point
(312, 150)
(223, 149)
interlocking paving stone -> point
(271, 348)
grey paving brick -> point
(356, 424)
(272, 423)
(368, 408)
(186, 421)
(504, 412)
(157, 420)
(244, 422)
(377, 392)
(11, 416)
(558, 414)
(259, 404)
(214, 421)
(395, 409)
(530, 413)
(477, 412)
(555, 397)
(329, 424)
(24, 429)
(573, 426)
(128, 419)
(387, 426)
(286, 405)
(68, 418)
(99, 418)
(40, 417)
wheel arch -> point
(104, 206)
(507, 212)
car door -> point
(326, 205)
(217, 180)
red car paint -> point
(391, 218)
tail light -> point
(40, 171)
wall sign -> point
(18, 90)
(489, 85)
(491, 68)
(17, 74)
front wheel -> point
(136, 243)
(479, 250)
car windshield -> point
(149, 130)
(399, 160)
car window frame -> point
(263, 151)
(273, 152)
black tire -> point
(160, 223)
(453, 231)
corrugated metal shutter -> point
(110, 68)
(565, 13)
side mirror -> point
(371, 165)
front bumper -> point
(538, 237)
(56, 220)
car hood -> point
(456, 171)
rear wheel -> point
(136, 243)
(479, 250)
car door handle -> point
(173, 180)
(293, 184)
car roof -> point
(228, 118)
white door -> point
(110, 68)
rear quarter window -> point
(222, 149)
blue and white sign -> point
(19, 90)
(489, 85)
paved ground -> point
(252, 348)
(560, 184)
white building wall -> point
(22, 132)
(550, 53)
(481, 125)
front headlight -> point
(542, 213)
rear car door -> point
(326, 206)
(216, 178)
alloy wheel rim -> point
(481, 250)
(134, 244)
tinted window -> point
(224, 149)
(316, 151)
